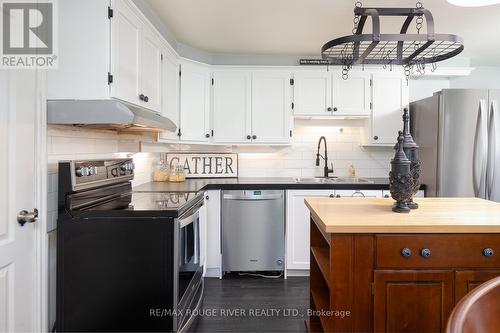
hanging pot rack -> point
(405, 49)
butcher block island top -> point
(435, 215)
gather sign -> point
(205, 165)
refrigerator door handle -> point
(492, 147)
(480, 152)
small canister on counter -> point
(177, 173)
(160, 172)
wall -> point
(298, 159)
(425, 87)
(481, 77)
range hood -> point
(106, 114)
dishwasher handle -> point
(256, 197)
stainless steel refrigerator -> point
(458, 131)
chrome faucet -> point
(325, 157)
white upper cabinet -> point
(170, 92)
(231, 115)
(151, 54)
(125, 52)
(390, 97)
(352, 96)
(313, 93)
(194, 102)
(271, 107)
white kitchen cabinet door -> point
(231, 115)
(170, 93)
(352, 96)
(358, 193)
(390, 97)
(297, 227)
(195, 103)
(271, 107)
(419, 194)
(213, 234)
(313, 93)
(126, 43)
(151, 54)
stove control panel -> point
(95, 173)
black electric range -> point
(126, 261)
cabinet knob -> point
(426, 253)
(331, 196)
(335, 109)
(207, 135)
(329, 109)
(387, 196)
(488, 252)
(375, 137)
(141, 97)
(406, 252)
(207, 197)
(249, 137)
(146, 99)
(254, 136)
(338, 196)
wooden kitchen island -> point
(375, 270)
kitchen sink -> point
(339, 180)
(317, 180)
(351, 180)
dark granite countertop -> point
(243, 183)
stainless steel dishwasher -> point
(253, 230)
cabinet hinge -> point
(371, 82)
(179, 134)
(213, 81)
(180, 73)
(110, 78)
(110, 12)
(161, 57)
(293, 105)
(371, 105)
(292, 82)
(290, 133)
(373, 288)
(212, 132)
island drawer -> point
(438, 251)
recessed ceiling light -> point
(474, 3)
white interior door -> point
(19, 294)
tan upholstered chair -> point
(479, 311)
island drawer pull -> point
(406, 252)
(426, 253)
(488, 252)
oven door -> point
(189, 266)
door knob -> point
(24, 216)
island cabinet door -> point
(465, 281)
(412, 301)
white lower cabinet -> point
(419, 194)
(213, 262)
(297, 227)
(358, 194)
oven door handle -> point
(191, 215)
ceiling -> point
(301, 27)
